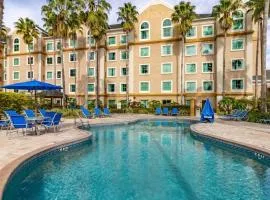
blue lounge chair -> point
(29, 113)
(85, 112)
(158, 111)
(175, 112)
(241, 116)
(4, 124)
(235, 113)
(97, 112)
(9, 113)
(54, 122)
(165, 111)
(106, 112)
(42, 112)
(19, 122)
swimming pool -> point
(144, 160)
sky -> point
(14, 9)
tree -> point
(127, 15)
(1, 12)
(183, 16)
(28, 29)
(223, 12)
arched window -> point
(88, 39)
(167, 28)
(16, 45)
(238, 20)
(144, 31)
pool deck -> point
(14, 149)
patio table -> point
(35, 121)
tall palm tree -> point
(183, 16)
(1, 12)
(28, 29)
(127, 15)
(223, 12)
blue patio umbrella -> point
(207, 114)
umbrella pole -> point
(36, 101)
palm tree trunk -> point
(54, 58)
(97, 76)
(182, 72)
(63, 74)
(224, 65)
(31, 70)
(257, 66)
(127, 71)
(1, 12)
(264, 46)
(75, 67)
(88, 65)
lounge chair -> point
(9, 113)
(97, 112)
(54, 122)
(19, 122)
(165, 111)
(106, 112)
(241, 116)
(29, 113)
(158, 111)
(42, 112)
(85, 112)
(4, 124)
(175, 112)
(235, 113)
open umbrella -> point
(207, 114)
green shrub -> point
(228, 104)
(256, 116)
(68, 113)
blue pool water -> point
(150, 160)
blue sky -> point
(31, 8)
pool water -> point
(153, 160)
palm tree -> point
(223, 12)
(1, 12)
(127, 15)
(28, 29)
(183, 16)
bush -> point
(15, 101)
(228, 104)
(68, 113)
(256, 116)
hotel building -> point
(154, 60)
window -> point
(208, 31)
(166, 50)
(237, 64)
(111, 56)
(111, 103)
(111, 87)
(144, 51)
(238, 21)
(30, 47)
(144, 103)
(237, 84)
(144, 32)
(49, 46)
(72, 72)
(72, 57)
(191, 50)
(30, 75)
(58, 60)
(30, 60)
(166, 101)
(123, 71)
(208, 86)
(111, 41)
(191, 68)
(167, 28)
(49, 60)
(91, 87)
(191, 86)
(192, 33)
(207, 67)
(58, 45)
(72, 43)
(124, 55)
(91, 55)
(16, 61)
(166, 86)
(16, 75)
(166, 68)
(59, 74)
(91, 72)
(5, 76)
(237, 44)
(144, 69)
(123, 39)
(111, 72)
(72, 88)
(49, 75)
(16, 45)
(207, 49)
(144, 86)
(90, 39)
(123, 87)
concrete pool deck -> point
(14, 149)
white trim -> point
(108, 88)
(94, 88)
(27, 60)
(49, 41)
(164, 45)
(205, 36)
(161, 86)
(244, 22)
(13, 62)
(115, 72)
(76, 53)
(120, 84)
(70, 88)
(47, 60)
(238, 38)
(189, 45)
(61, 74)
(162, 27)
(94, 71)
(189, 82)
(212, 67)
(209, 53)
(191, 64)
(237, 90)
(141, 47)
(244, 63)
(121, 74)
(120, 57)
(52, 75)
(161, 68)
(149, 30)
(13, 76)
(69, 72)
(108, 56)
(149, 86)
(18, 44)
(213, 85)
(32, 74)
(109, 36)
(140, 69)
(196, 33)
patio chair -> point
(85, 112)
(106, 112)
(165, 111)
(175, 112)
(9, 113)
(54, 122)
(158, 111)
(242, 116)
(235, 113)
(19, 122)
(42, 112)
(4, 124)
(29, 113)
(97, 112)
